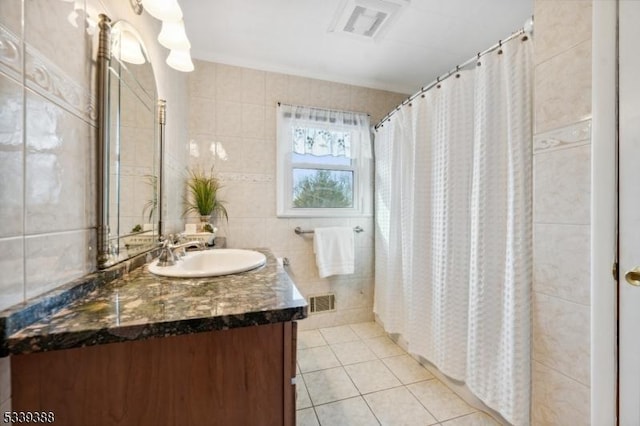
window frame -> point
(362, 169)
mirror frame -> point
(103, 142)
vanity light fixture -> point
(180, 60)
(164, 10)
(172, 35)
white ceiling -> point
(426, 39)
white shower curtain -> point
(453, 234)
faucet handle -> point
(166, 258)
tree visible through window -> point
(322, 189)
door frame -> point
(604, 214)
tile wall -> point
(562, 176)
(232, 126)
(47, 142)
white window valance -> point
(321, 132)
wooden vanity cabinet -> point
(241, 376)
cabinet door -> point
(290, 345)
(218, 378)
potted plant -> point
(202, 197)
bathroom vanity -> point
(149, 350)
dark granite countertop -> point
(140, 305)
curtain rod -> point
(455, 70)
(325, 109)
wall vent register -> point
(322, 303)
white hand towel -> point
(334, 249)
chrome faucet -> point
(179, 249)
(171, 253)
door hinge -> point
(614, 271)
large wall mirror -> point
(129, 167)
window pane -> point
(321, 142)
(314, 188)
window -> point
(324, 163)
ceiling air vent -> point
(365, 19)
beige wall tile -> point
(202, 81)
(563, 88)
(228, 83)
(562, 178)
(11, 21)
(562, 186)
(46, 268)
(561, 261)
(276, 88)
(557, 399)
(246, 233)
(270, 127)
(57, 164)
(253, 121)
(559, 26)
(68, 47)
(561, 336)
(341, 96)
(278, 233)
(202, 118)
(228, 118)
(253, 86)
(11, 262)
(299, 91)
(565, 137)
(320, 93)
(249, 200)
(11, 157)
(11, 16)
(362, 98)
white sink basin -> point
(211, 263)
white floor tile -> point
(367, 330)
(353, 352)
(356, 375)
(475, 419)
(302, 395)
(372, 376)
(407, 369)
(329, 385)
(310, 339)
(440, 400)
(306, 417)
(349, 412)
(383, 347)
(319, 358)
(339, 334)
(398, 407)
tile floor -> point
(355, 375)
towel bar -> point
(299, 230)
